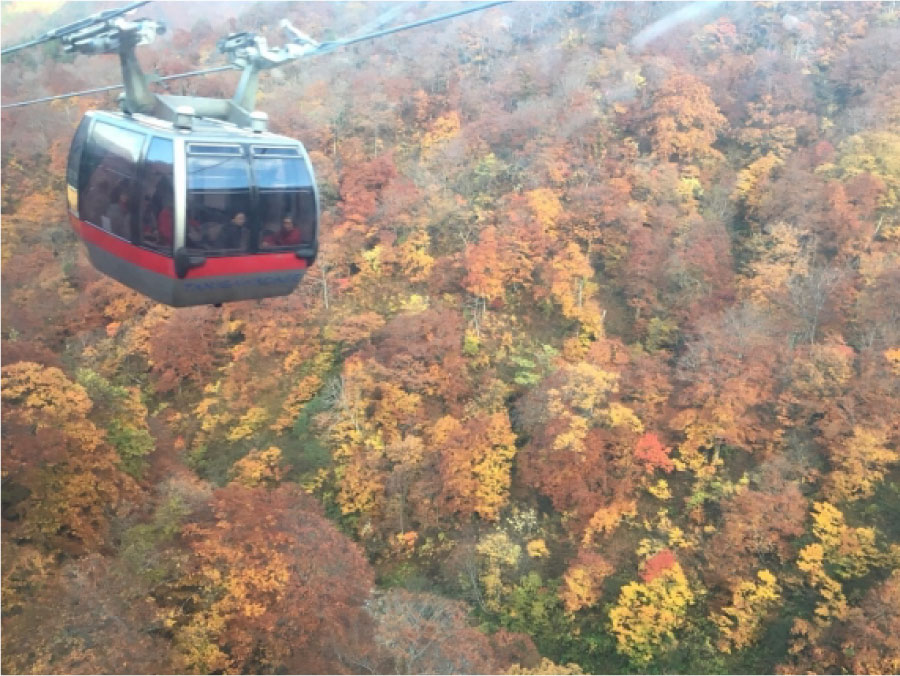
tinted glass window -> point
(74, 165)
(108, 178)
(119, 143)
(201, 149)
(286, 203)
(280, 151)
(158, 199)
(288, 219)
(75, 152)
(219, 223)
(280, 173)
(217, 173)
(220, 218)
(160, 152)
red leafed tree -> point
(184, 348)
(728, 374)
(873, 636)
(865, 191)
(421, 349)
(361, 182)
(85, 618)
(650, 451)
(758, 526)
(656, 564)
(580, 448)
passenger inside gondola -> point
(118, 213)
(95, 200)
(287, 235)
(213, 236)
(194, 235)
(158, 220)
(164, 227)
(236, 233)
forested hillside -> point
(598, 368)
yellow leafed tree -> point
(444, 129)
(741, 622)
(582, 582)
(498, 554)
(647, 615)
(860, 462)
(259, 468)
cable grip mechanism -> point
(111, 37)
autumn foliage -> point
(597, 369)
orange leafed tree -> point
(277, 586)
(184, 348)
(485, 276)
(475, 462)
(682, 120)
(52, 448)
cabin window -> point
(219, 218)
(274, 173)
(214, 149)
(72, 169)
(158, 198)
(288, 218)
(287, 204)
(108, 178)
(275, 151)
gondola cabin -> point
(193, 211)
(187, 199)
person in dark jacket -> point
(236, 233)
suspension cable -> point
(99, 90)
(57, 33)
(334, 44)
(323, 48)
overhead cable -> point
(323, 48)
(334, 44)
(100, 90)
(57, 33)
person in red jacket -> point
(164, 226)
(289, 235)
(159, 230)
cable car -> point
(192, 211)
(191, 200)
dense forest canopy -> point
(597, 370)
